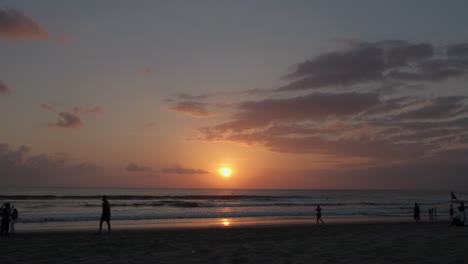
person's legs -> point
(100, 226)
(12, 226)
(108, 226)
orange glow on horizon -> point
(226, 222)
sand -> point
(332, 243)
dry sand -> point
(334, 243)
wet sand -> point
(332, 243)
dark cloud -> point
(378, 62)
(21, 168)
(14, 25)
(458, 50)
(337, 68)
(314, 107)
(192, 108)
(133, 167)
(4, 88)
(67, 120)
(181, 170)
(439, 107)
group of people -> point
(9, 214)
(457, 220)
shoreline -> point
(201, 223)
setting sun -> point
(225, 172)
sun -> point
(225, 172)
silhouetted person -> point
(14, 216)
(461, 209)
(319, 214)
(5, 212)
(451, 212)
(106, 213)
(416, 213)
(459, 219)
(430, 214)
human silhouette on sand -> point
(106, 214)
(416, 213)
(319, 214)
(5, 212)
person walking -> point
(106, 214)
(319, 214)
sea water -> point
(75, 208)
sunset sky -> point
(288, 94)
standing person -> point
(451, 212)
(430, 214)
(319, 214)
(106, 213)
(5, 212)
(416, 213)
(14, 216)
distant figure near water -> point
(319, 214)
(416, 213)
(14, 216)
(106, 214)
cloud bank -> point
(14, 25)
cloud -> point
(181, 170)
(95, 110)
(67, 120)
(4, 88)
(133, 167)
(314, 106)
(458, 50)
(21, 168)
(48, 107)
(146, 71)
(192, 108)
(381, 61)
(14, 25)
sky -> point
(297, 94)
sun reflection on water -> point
(225, 222)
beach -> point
(305, 243)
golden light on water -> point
(226, 222)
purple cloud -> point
(192, 108)
(378, 62)
(21, 168)
(181, 170)
(14, 25)
(4, 88)
(67, 120)
(133, 167)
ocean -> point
(80, 208)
